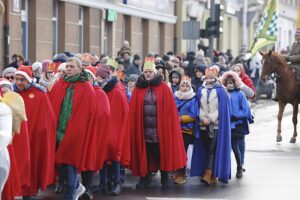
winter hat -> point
(5, 83)
(212, 71)
(45, 64)
(92, 71)
(103, 71)
(62, 67)
(149, 66)
(200, 68)
(61, 57)
(112, 63)
(236, 78)
(185, 64)
(48, 66)
(25, 71)
(160, 64)
(136, 57)
(176, 61)
(36, 66)
(133, 77)
(8, 70)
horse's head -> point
(267, 68)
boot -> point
(239, 172)
(116, 189)
(206, 179)
(164, 178)
(144, 182)
(180, 177)
(213, 180)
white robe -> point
(5, 138)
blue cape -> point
(222, 165)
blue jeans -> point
(70, 173)
(115, 170)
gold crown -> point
(111, 62)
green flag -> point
(267, 30)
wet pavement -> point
(272, 169)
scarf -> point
(67, 105)
(185, 95)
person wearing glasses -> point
(9, 74)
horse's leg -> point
(295, 113)
(279, 117)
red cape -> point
(116, 149)
(172, 152)
(102, 119)
(41, 132)
(75, 147)
(21, 150)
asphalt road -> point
(272, 169)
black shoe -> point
(116, 190)
(58, 188)
(88, 195)
(239, 172)
(144, 182)
(164, 178)
(102, 189)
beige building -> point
(40, 28)
(232, 35)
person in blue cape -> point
(212, 144)
(187, 107)
(240, 116)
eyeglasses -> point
(10, 77)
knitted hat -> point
(92, 71)
(133, 77)
(36, 66)
(212, 71)
(5, 83)
(61, 57)
(25, 71)
(149, 66)
(112, 63)
(136, 57)
(200, 68)
(45, 64)
(8, 70)
(103, 71)
(62, 67)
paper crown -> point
(212, 71)
(111, 62)
(149, 66)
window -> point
(54, 27)
(80, 23)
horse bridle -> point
(274, 76)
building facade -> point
(38, 29)
(288, 12)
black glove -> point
(233, 118)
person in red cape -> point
(19, 152)
(101, 122)
(155, 133)
(117, 151)
(41, 131)
(74, 104)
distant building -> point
(40, 28)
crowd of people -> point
(88, 115)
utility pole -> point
(245, 28)
(211, 37)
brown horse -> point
(288, 91)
